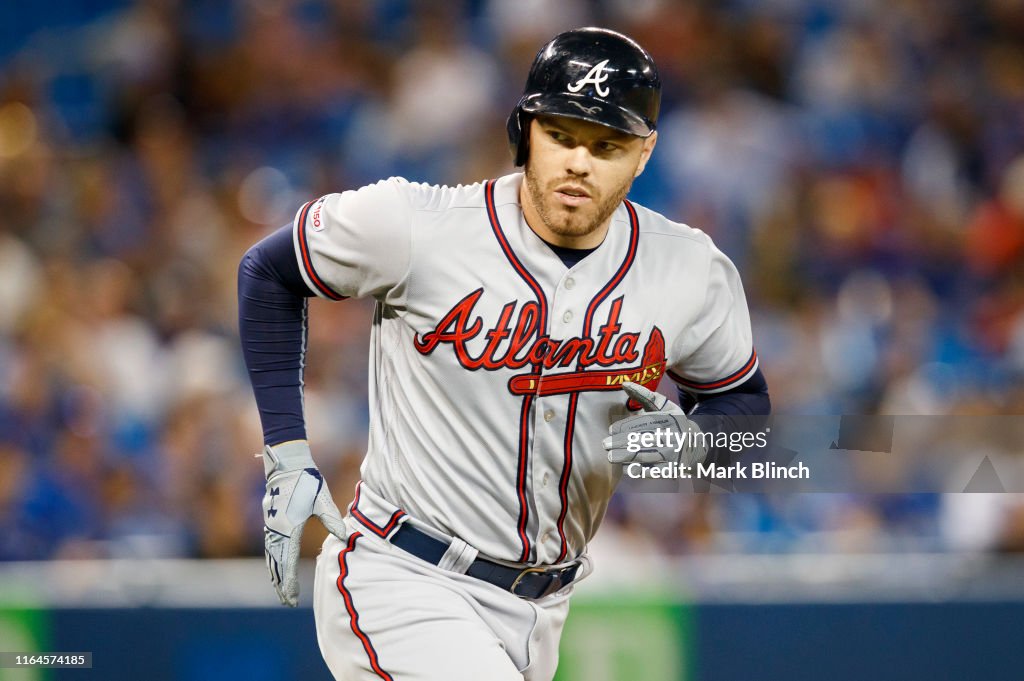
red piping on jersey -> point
(570, 423)
(524, 416)
(369, 524)
(634, 239)
(732, 378)
(352, 614)
(563, 483)
(307, 261)
(492, 215)
(524, 445)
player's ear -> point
(646, 152)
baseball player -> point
(521, 327)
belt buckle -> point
(554, 580)
(515, 585)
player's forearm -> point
(740, 410)
(738, 404)
(749, 398)
(272, 328)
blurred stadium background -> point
(861, 160)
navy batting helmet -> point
(593, 74)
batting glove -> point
(660, 433)
(295, 491)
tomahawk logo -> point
(595, 76)
(585, 109)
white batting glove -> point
(658, 434)
(295, 491)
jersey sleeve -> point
(356, 243)
(716, 351)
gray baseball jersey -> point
(495, 370)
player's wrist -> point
(287, 456)
(696, 449)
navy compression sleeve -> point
(742, 409)
(749, 398)
(272, 326)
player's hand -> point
(295, 491)
(671, 434)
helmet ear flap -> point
(519, 135)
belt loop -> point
(458, 557)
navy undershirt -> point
(272, 325)
(570, 257)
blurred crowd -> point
(862, 161)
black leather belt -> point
(532, 582)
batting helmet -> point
(593, 74)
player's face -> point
(577, 174)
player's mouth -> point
(572, 195)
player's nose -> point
(579, 160)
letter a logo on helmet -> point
(596, 76)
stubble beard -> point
(567, 221)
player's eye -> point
(607, 147)
(558, 136)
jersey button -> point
(570, 283)
(548, 415)
(567, 317)
(544, 480)
(546, 537)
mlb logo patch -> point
(315, 222)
